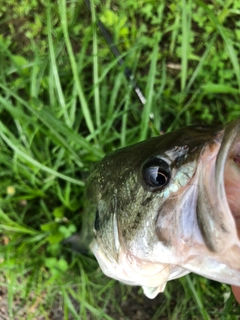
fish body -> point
(168, 206)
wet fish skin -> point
(146, 235)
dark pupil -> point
(156, 176)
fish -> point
(169, 206)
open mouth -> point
(218, 204)
(224, 193)
(230, 154)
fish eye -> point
(156, 173)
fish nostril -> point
(97, 221)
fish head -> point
(168, 206)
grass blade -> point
(185, 42)
(81, 95)
(54, 68)
(232, 53)
(95, 67)
(34, 162)
(197, 298)
(150, 90)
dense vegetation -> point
(64, 103)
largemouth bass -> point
(169, 206)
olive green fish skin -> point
(146, 234)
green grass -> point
(64, 103)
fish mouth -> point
(227, 173)
(218, 204)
